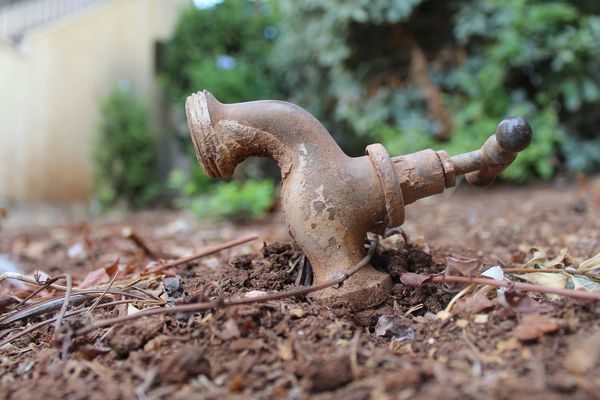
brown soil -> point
(295, 348)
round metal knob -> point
(513, 134)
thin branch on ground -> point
(549, 270)
(218, 303)
(203, 253)
(32, 281)
(99, 299)
(28, 279)
(45, 285)
(65, 305)
(528, 287)
(67, 315)
(48, 305)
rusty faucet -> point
(330, 200)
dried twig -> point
(54, 303)
(36, 291)
(528, 287)
(27, 279)
(41, 307)
(550, 270)
(68, 314)
(203, 253)
(99, 299)
(197, 307)
(65, 305)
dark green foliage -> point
(353, 64)
(223, 49)
(126, 153)
(241, 201)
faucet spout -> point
(226, 134)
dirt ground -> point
(295, 348)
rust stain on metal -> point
(330, 201)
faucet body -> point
(330, 201)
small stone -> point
(462, 323)
(172, 286)
(297, 312)
(480, 319)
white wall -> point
(51, 88)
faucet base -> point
(367, 288)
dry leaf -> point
(412, 279)
(41, 277)
(540, 258)
(112, 269)
(495, 272)
(585, 283)
(534, 326)
(131, 309)
(94, 278)
(525, 304)
(474, 304)
(548, 279)
(230, 330)
(559, 260)
(464, 266)
(590, 264)
(99, 276)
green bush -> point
(126, 153)
(354, 64)
(225, 49)
(239, 201)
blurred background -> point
(92, 91)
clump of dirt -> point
(182, 364)
(269, 271)
(404, 258)
(134, 336)
(327, 373)
(296, 348)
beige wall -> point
(51, 88)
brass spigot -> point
(330, 201)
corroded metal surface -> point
(330, 201)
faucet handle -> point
(514, 134)
(482, 166)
